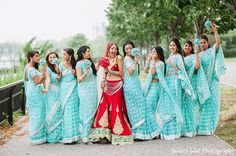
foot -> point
(104, 141)
(88, 143)
(72, 143)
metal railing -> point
(12, 98)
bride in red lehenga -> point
(111, 120)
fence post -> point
(10, 113)
(23, 99)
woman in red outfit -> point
(111, 120)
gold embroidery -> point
(118, 129)
(104, 119)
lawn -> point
(226, 128)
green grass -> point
(11, 76)
(227, 131)
(16, 116)
(226, 128)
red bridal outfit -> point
(111, 120)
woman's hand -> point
(102, 85)
(105, 70)
(44, 69)
(87, 70)
(214, 27)
(136, 60)
(45, 91)
(73, 71)
(59, 75)
(173, 65)
(149, 57)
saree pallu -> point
(190, 107)
(87, 91)
(111, 120)
(170, 102)
(53, 114)
(213, 64)
(136, 104)
(36, 107)
(88, 103)
(70, 106)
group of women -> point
(180, 96)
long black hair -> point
(131, 43)
(80, 53)
(31, 54)
(177, 43)
(161, 56)
(179, 49)
(71, 52)
(51, 66)
(125, 44)
(191, 44)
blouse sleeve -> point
(79, 65)
(32, 72)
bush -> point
(228, 43)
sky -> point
(21, 20)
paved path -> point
(202, 145)
(230, 77)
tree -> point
(98, 46)
(26, 48)
(201, 10)
(76, 41)
(230, 4)
(43, 47)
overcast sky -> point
(49, 19)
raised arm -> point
(80, 75)
(147, 66)
(217, 37)
(131, 67)
(197, 61)
(39, 79)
